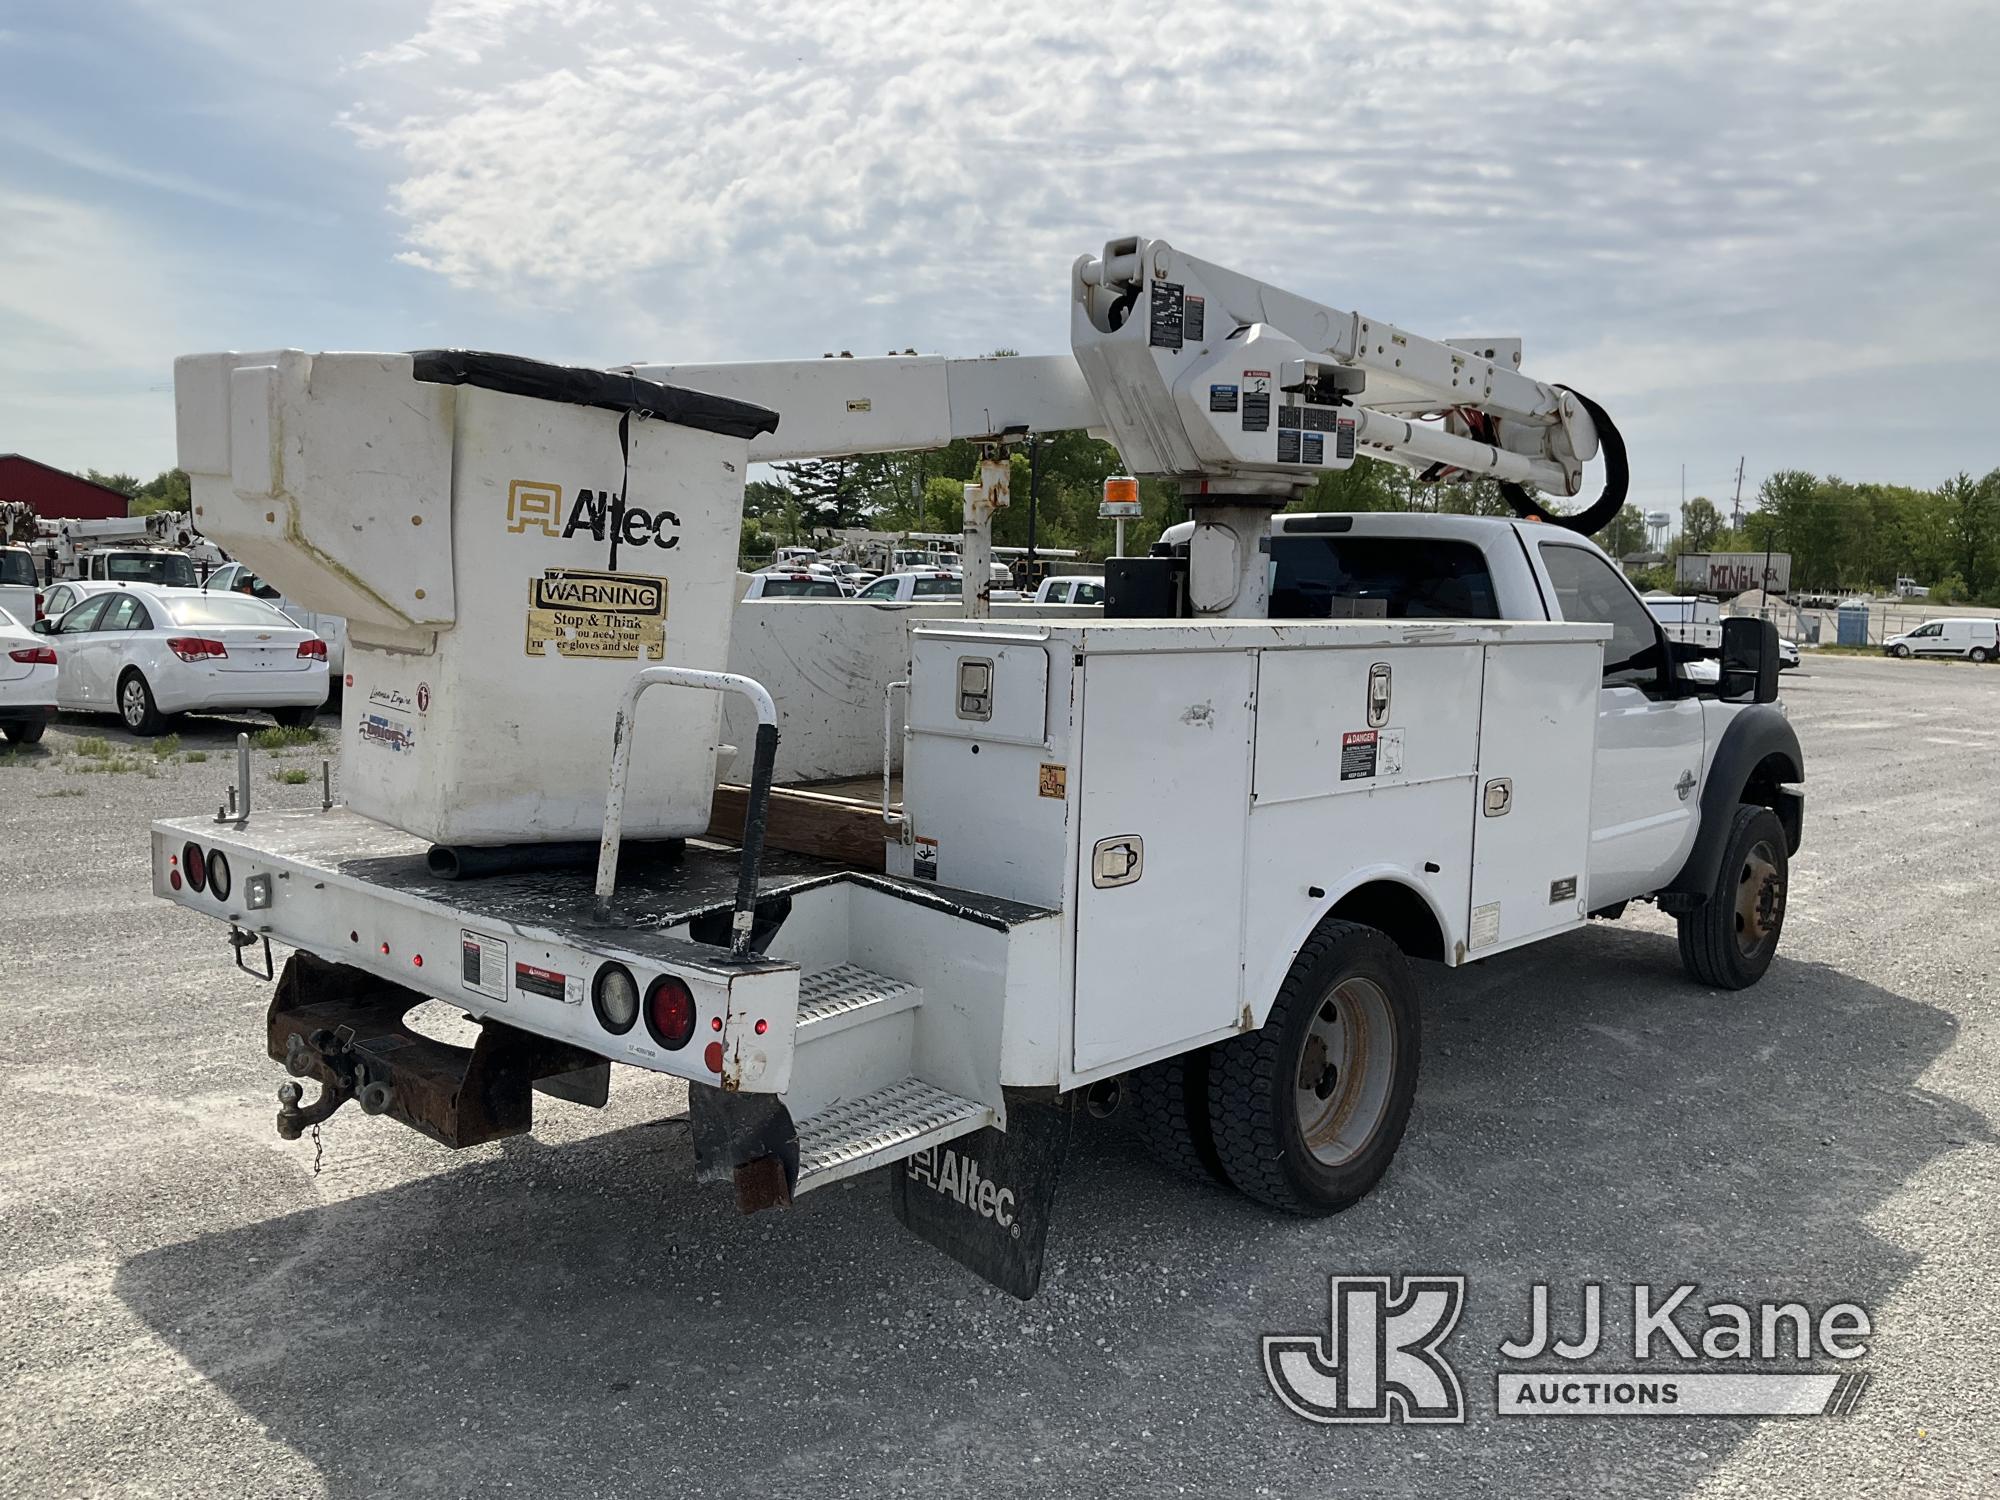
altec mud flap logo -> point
(1383, 1361)
(957, 1177)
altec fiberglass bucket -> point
(509, 542)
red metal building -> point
(55, 494)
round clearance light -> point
(196, 865)
(218, 874)
(670, 1012)
(614, 995)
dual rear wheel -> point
(1304, 1114)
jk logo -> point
(1380, 1360)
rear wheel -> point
(1980, 653)
(296, 718)
(1730, 939)
(24, 731)
(1307, 1111)
(1169, 1113)
(136, 706)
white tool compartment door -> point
(1166, 771)
(1531, 803)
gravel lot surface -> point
(191, 1311)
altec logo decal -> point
(957, 1177)
(532, 504)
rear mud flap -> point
(985, 1198)
(345, 1028)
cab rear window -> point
(924, 587)
(1380, 577)
(801, 588)
(17, 567)
(169, 570)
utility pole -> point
(1736, 512)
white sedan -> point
(144, 653)
(27, 682)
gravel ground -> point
(191, 1311)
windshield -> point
(224, 609)
(168, 569)
(17, 567)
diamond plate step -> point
(871, 1130)
(847, 995)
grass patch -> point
(94, 745)
(65, 791)
(113, 765)
(278, 737)
(195, 757)
(167, 745)
(293, 777)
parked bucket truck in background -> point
(1178, 861)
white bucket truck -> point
(1179, 861)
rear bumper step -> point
(857, 1135)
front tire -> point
(1307, 1111)
(1729, 940)
(1900, 652)
(136, 706)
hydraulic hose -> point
(1617, 480)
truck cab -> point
(160, 566)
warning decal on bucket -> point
(609, 615)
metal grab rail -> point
(892, 820)
(756, 813)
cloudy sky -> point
(1766, 229)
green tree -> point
(166, 491)
(1701, 524)
(126, 484)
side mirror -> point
(1750, 660)
(43, 627)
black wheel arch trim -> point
(1757, 734)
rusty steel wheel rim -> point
(1345, 1068)
(1760, 899)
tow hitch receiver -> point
(344, 1028)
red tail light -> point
(195, 648)
(670, 1012)
(38, 606)
(315, 648)
(42, 656)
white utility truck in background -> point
(1172, 860)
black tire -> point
(1729, 940)
(1169, 1114)
(1899, 651)
(296, 718)
(1980, 654)
(136, 707)
(25, 731)
(1352, 980)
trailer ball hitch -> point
(295, 1120)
